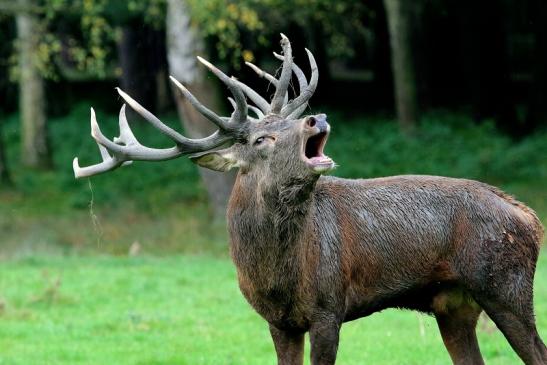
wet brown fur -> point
(315, 251)
(349, 248)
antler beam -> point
(302, 85)
(294, 108)
(305, 94)
(285, 78)
(126, 148)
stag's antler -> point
(126, 148)
(287, 109)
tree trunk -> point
(4, 172)
(399, 19)
(382, 84)
(35, 149)
(137, 56)
(183, 44)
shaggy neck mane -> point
(266, 231)
(266, 223)
(282, 206)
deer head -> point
(275, 140)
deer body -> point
(313, 252)
(354, 247)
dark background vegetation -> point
(452, 88)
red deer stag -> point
(314, 251)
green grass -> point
(187, 310)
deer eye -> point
(259, 140)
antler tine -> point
(285, 78)
(240, 113)
(263, 74)
(108, 164)
(232, 102)
(187, 145)
(302, 85)
(151, 118)
(259, 101)
(257, 111)
(207, 113)
(234, 105)
(302, 82)
(126, 148)
(126, 134)
(307, 93)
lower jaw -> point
(322, 168)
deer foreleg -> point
(289, 346)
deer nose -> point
(319, 121)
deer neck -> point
(277, 210)
(268, 221)
(268, 226)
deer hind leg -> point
(506, 295)
(518, 326)
(457, 314)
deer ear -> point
(221, 160)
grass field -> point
(187, 310)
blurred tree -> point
(234, 25)
(5, 178)
(138, 69)
(400, 19)
(140, 45)
(35, 147)
(6, 90)
(184, 43)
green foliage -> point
(81, 34)
(188, 310)
(70, 137)
(163, 206)
(215, 18)
(264, 20)
(445, 144)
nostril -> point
(311, 122)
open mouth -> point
(313, 153)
